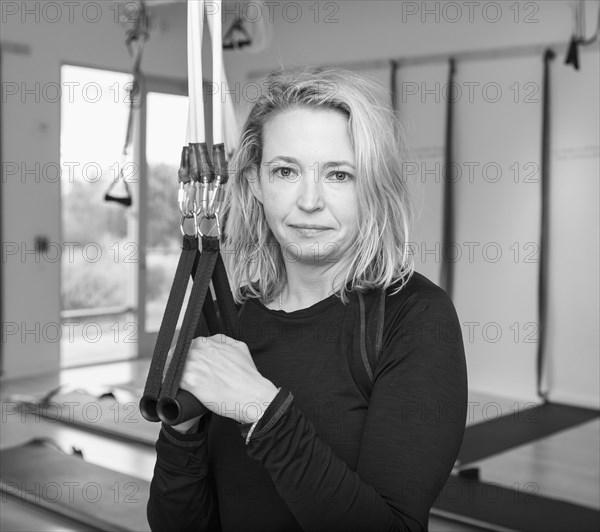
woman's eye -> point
(283, 171)
(340, 176)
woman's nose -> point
(310, 192)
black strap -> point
(209, 322)
(573, 53)
(222, 320)
(208, 260)
(237, 36)
(187, 259)
(544, 224)
(126, 200)
(447, 270)
(227, 306)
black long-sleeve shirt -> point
(323, 457)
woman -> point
(317, 211)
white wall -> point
(336, 33)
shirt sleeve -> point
(412, 434)
(182, 494)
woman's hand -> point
(190, 425)
(221, 374)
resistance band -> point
(200, 195)
(447, 270)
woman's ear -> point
(254, 183)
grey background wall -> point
(495, 295)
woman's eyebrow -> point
(327, 165)
(284, 158)
(337, 164)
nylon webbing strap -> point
(169, 322)
(226, 320)
(545, 204)
(447, 271)
(224, 296)
(208, 260)
(187, 266)
(208, 309)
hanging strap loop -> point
(174, 405)
(167, 327)
(162, 399)
(135, 40)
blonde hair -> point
(380, 255)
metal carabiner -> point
(183, 199)
(221, 177)
(216, 197)
(197, 204)
(205, 194)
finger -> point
(204, 340)
(224, 339)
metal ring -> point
(183, 218)
(216, 218)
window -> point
(98, 267)
(166, 120)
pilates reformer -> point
(107, 411)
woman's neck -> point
(305, 287)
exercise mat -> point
(497, 507)
(68, 485)
(519, 428)
(111, 413)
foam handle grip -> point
(185, 406)
(148, 408)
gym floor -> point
(565, 466)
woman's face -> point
(308, 178)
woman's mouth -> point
(309, 230)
